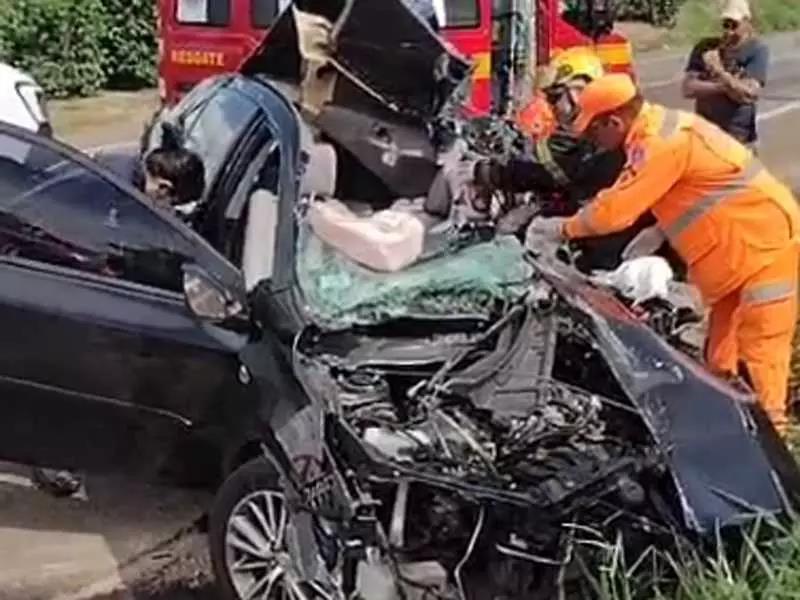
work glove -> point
(646, 243)
(515, 219)
(545, 233)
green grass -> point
(765, 567)
(700, 18)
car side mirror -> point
(208, 299)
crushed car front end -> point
(480, 461)
(470, 425)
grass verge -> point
(766, 566)
(700, 18)
(108, 118)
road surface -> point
(145, 540)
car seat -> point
(261, 229)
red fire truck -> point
(198, 38)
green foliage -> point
(75, 47)
(57, 41)
(696, 20)
(777, 15)
(129, 43)
(764, 565)
(656, 12)
(700, 18)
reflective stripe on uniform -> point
(586, 219)
(705, 203)
(545, 156)
(769, 292)
(672, 119)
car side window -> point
(56, 211)
(214, 131)
(183, 115)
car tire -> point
(234, 525)
(254, 476)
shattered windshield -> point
(466, 281)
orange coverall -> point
(734, 225)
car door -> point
(102, 367)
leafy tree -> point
(75, 47)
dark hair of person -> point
(181, 167)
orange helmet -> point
(537, 119)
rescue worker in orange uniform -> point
(537, 119)
(733, 223)
(563, 170)
(558, 162)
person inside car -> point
(174, 178)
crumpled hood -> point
(726, 460)
(380, 52)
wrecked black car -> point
(481, 464)
(451, 428)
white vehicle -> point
(22, 101)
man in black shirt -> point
(725, 74)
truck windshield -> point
(457, 14)
(209, 13)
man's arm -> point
(694, 87)
(635, 192)
(742, 91)
(743, 88)
(551, 166)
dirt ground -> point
(180, 570)
(109, 118)
(644, 37)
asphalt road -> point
(118, 541)
(779, 110)
(131, 542)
